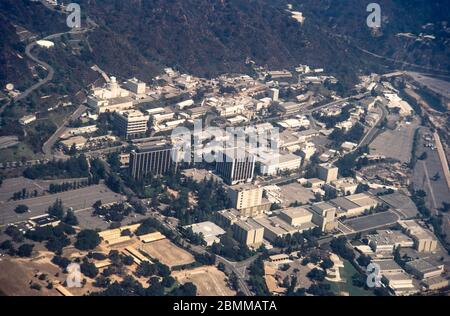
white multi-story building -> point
(110, 99)
(136, 86)
(131, 123)
(273, 163)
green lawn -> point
(346, 285)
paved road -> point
(48, 145)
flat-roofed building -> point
(227, 218)
(248, 199)
(280, 258)
(135, 85)
(343, 186)
(197, 112)
(131, 123)
(274, 163)
(424, 240)
(153, 158)
(249, 232)
(436, 283)
(327, 172)
(324, 215)
(424, 268)
(354, 205)
(289, 107)
(235, 165)
(209, 231)
(110, 105)
(275, 227)
(296, 216)
(387, 266)
(388, 240)
(400, 283)
(315, 183)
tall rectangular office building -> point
(235, 167)
(151, 159)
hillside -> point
(210, 37)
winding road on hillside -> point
(47, 147)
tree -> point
(20, 209)
(221, 266)
(168, 282)
(327, 263)
(71, 218)
(89, 269)
(316, 275)
(339, 246)
(87, 240)
(25, 250)
(57, 209)
(187, 289)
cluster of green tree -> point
(115, 183)
(24, 194)
(87, 240)
(114, 212)
(316, 275)
(61, 262)
(320, 289)
(331, 121)
(231, 249)
(418, 197)
(21, 208)
(211, 197)
(75, 167)
(56, 209)
(354, 135)
(348, 162)
(98, 170)
(339, 246)
(256, 280)
(196, 239)
(39, 134)
(88, 269)
(67, 186)
(15, 233)
(415, 144)
(299, 241)
(151, 225)
(131, 287)
(24, 250)
(147, 269)
(205, 259)
(56, 238)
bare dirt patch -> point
(167, 252)
(209, 281)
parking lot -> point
(370, 222)
(77, 199)
(396, 144)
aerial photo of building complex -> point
(248, 149)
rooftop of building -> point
(207, 229)
(424, 265)
(296, 212)
(388, 237)
(248, 224)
